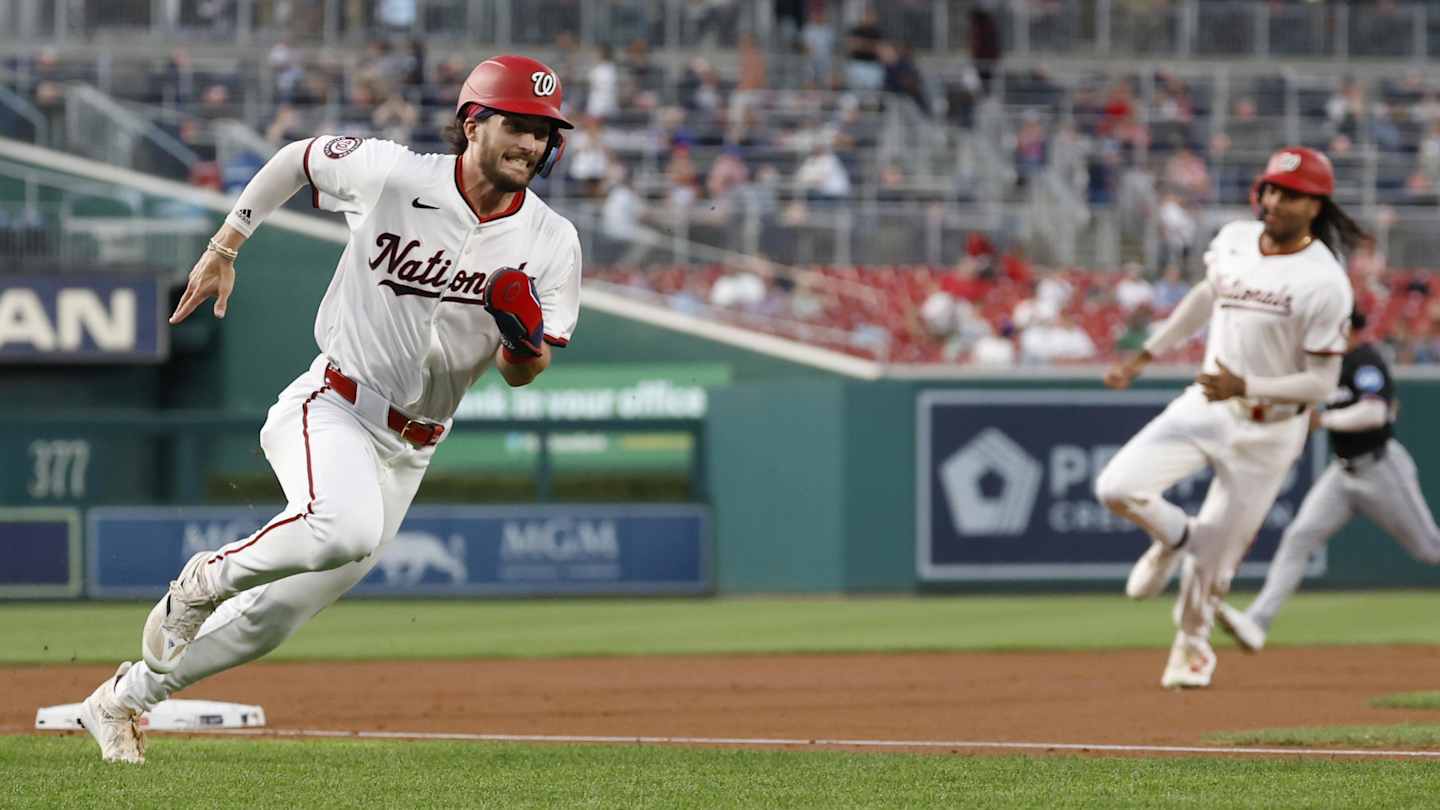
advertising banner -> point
(75, 317)
(1005, 485)
(39, 553)
(440, 550)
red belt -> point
(1259, 412)
(419, 434)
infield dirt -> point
(1106, 697)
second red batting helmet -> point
(514, 84)
(1301, 169)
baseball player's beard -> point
(495, 173)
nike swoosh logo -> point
(417, 204)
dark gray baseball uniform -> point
(1372, 474)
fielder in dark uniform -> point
(1372, 474)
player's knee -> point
(1430, 555)
(346, 534)
(1110, 492)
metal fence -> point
(1205, 29)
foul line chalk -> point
(817, 743)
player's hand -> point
(213, 275)
(1120, 375)
(1315, 419)
(1223, 385)
(511, 300)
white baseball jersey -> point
(404, 312)
(1270, 311)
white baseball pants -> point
(1250, 461)
(348, 483)
(1387, 491)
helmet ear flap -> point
(554, 149)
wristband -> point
(516, 358)
(229, 253)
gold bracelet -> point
(229, 253)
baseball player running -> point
(1277, 302)
(452, 265)
(1372, 474)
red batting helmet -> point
(514, 84)
(1301, 169)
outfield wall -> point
(815, 488)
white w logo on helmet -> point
(544, 83)
(1283, 162)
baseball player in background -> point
(1372, 474)
(452, 266)
(1277, 302)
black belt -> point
(1360, 461)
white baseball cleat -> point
(175, 620)
(1153, 570)
(115, 727)
(1246, 631)
(1191, 664)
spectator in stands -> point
(215, 103)
(1345, 110)
(643, 81)
(953, 324)
(789, 16)
(995, 350)
(288, 69)
(700, 90)
(1174, 112)
(1055, 341)
(288, 125)
(603, 97)
(706, 21)
(49, 98)
(1135, 329)
(863, 71)
(1169, 290)
(177, 86)
(1186, 176)
(358, 115)
(683, 179)
(1133, 291)
(1246, 131)
(727, 177)
(1032, 145)
(415, 64)
(625, 238)
(985, 47)
(739, 289)
(1119, 120)
(752, 64)
(817, 39)
(396, 15)
(902, 75)
(972, 278)
(1427, 109)
(891, 185)
(1177, 230)
(395, 118)
(821, 177)
(587, 158)
(872, 339)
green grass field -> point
(46, 771)
(359, 629)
